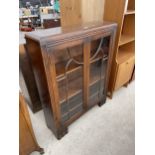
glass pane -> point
(69, 72)
(98, 65)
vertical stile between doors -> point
(86, 73)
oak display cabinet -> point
(71, 67)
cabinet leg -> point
(102, 101)
(110, 95)
(65, 131)
(62, 133)
(40, 150)
(59, 137)
(126, 85)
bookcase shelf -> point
(75, 83)
(60, 67)
(125, 52)
(126, 39)
(129, 12)
(131, 5)
(128, 28)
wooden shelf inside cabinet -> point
(75, 86)
(131, 5)
(126, 39)
(129, 12)
(125, 52)
(60, 67)
(128, 30)
(123, 55)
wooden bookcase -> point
(122, 12)
(71, 67)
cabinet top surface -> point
(74, 30)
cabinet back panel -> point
(129, 25)
(131, 4)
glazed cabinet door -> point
(69, 79)
(80, 72)
(99, 52)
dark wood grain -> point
(86, 72)
(69, 72)
(27, 81)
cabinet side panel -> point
(111, 66)
(27, 140)
(34, 53)
(114, 11)
(27, 81)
